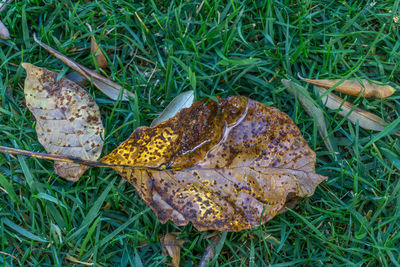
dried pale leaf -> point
(109, 88)
(313, 111)
(67, 119)
(77, 78)
(183, 100)
(172, 247)
(76, 261)
(221, 166)
(365, 119)
(96, 51)
(4, 34)
(355, 87)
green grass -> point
(221, 47)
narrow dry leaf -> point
(365, 119)
(172, 247)
(223, 166)
(109, 88)
(313, 111)
(96, 51)
(67, 119)
(77, 78)
(355, 87)
(183, 100)
(4, 34)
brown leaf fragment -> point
(96, 51)
(68, 120)
(109, 88)
(172, 247)
(355, 87)
(4, 34)
(365, 119)
(219, 165)
(313, 111)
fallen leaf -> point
(172, 247)
(96, 51)
(183, 100)
(313, 111)
(209, 251)
(4, 34)
(365, 119)
(67, 119)
(77, 78)
(109, 88)
(355, 87)
(219, 165)
(223, 166)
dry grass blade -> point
(365, 119)
(96, 51)
(109, 88)
(172, 247)
(4, 33)
(313, 111)
(68, 120)
(354, 87)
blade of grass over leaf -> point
(313, 111)
(365, 119)
(8, 188)
(96, 51)
(109, 88)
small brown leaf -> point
(67, 119)
(365, 119)
(172, 247)
(4, 34)
(109, 88)
(96, 51)
(224, 166)
(355, 87)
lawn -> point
(158, 49)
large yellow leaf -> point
(226, 166)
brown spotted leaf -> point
(67, 119)
(225, 166)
